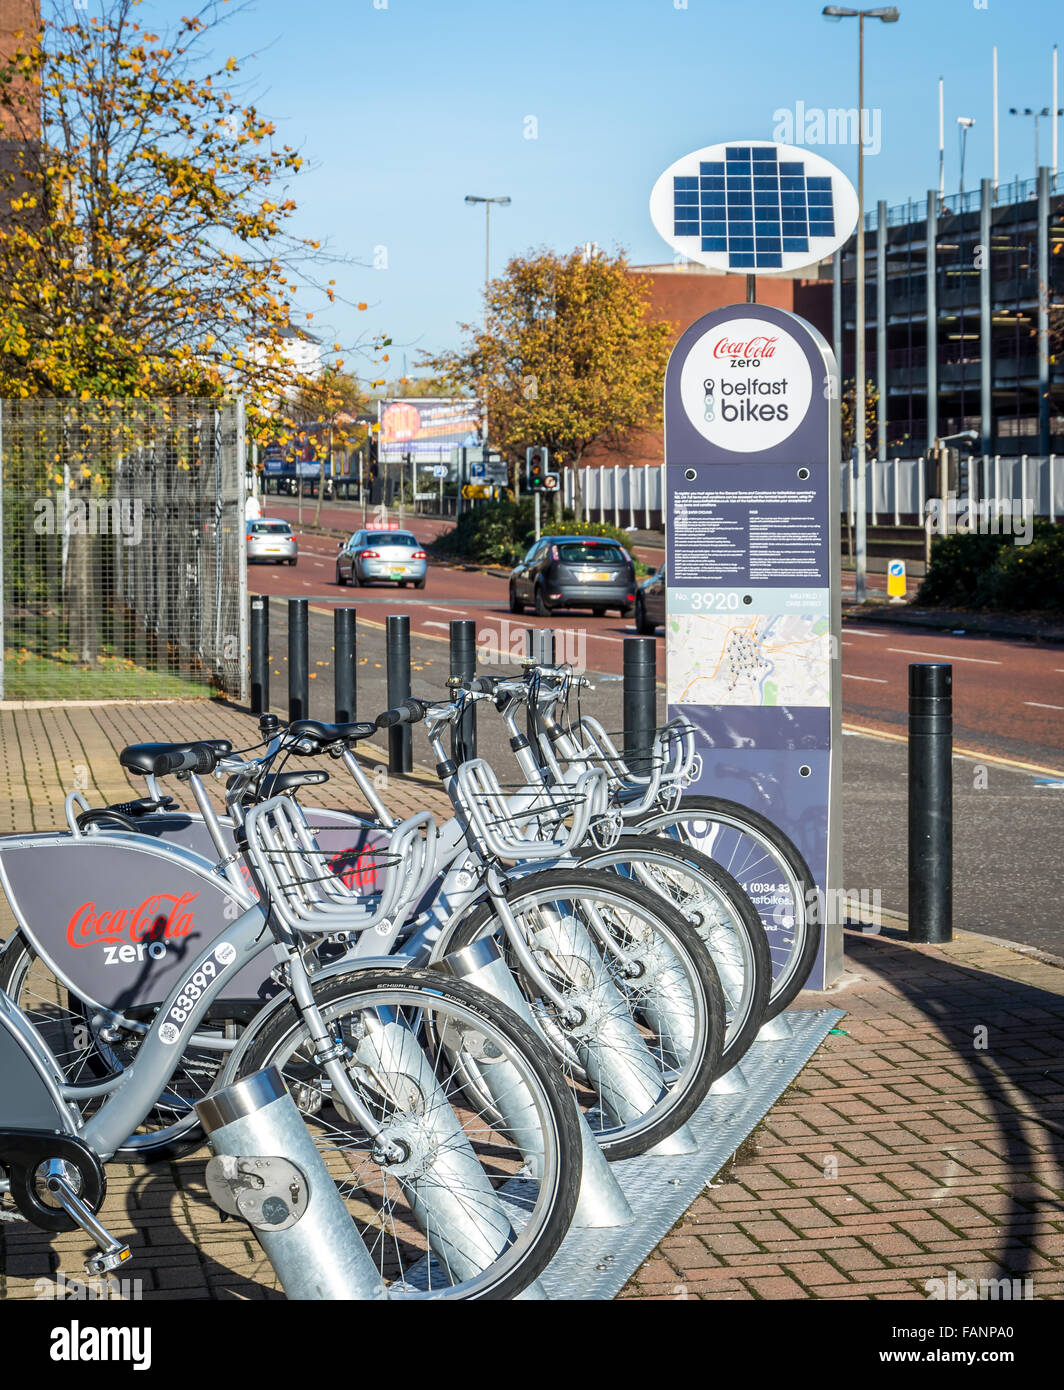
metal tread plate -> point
(596, 1264)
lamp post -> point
(889, 15)
(502, 202)
(1036, 116)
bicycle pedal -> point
(107, 1260)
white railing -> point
(627, 495)
(897, 489)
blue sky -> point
(405, 109)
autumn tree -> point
(144, 248)
(568, 356)
(848, 418)
(324, 411)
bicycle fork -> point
(423, 1146)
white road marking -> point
(939, 656)
(1036, 705)
(863, 632)
(874, 679)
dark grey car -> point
(650, 603)
(574, 572)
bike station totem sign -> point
(752, 584)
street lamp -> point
(503, 202)
(965, 123)
(889, 15)
(1036, 117)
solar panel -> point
(753, 206)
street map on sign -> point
(758, 659)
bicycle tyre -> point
(517, 1268)
(744, 921)
(791, 978)
(704, 1063)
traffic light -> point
(536, 460)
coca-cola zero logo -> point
(756, 347)
(160, 917)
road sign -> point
(896, 579)
(440, 470)
(550, 482)
(753, 207)
(752, 584)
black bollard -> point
(344, 664)
(930, 801)
(400, 758)
(298, 662)
(539, 644)
(640, 701)
(464, 668)
(260, 654)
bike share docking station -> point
(753, 624)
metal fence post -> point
(930, 801)
(345, 663)
(298, 661)
(400, 757)
(260, 654)
(463, 669)
(640, 701)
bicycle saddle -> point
(163, 759)
(332, 733)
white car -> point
(376, 557)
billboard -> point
(426, 428)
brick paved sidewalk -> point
(926, 1140)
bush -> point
(500, 533)
(973, 571)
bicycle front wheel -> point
(452, 1200)
(623, 990)
(771, 870)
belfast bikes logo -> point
(125, 935)
(746, 389)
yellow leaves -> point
(363, 306)
(230, 65)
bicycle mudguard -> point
(117, 916)
(347, 966)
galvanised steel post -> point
(267, 1169)
(400, 757)
(986, 404)
(640, 701)
(930, 801)
(463, 669)
(344, 664)
(260, 654)
(1043, 310)
(298, 660)
(881, 332)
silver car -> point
(650, 603)
(374, 556)
(271, 542)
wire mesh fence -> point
(123, 568)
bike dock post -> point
(930, 802)
(601, 1203)
(400, 756)
(267, 1169)
(344, 665)
(260, 654)
(298, 660)
(463, 670)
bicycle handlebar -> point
(411, 711)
